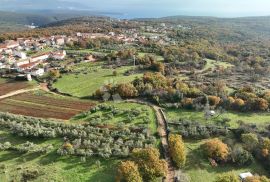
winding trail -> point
(163, 133)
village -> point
(31, 57)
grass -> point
(257, 118)
(146, 111)
(51, 166)
(36, 53)
(199, 168)
(86, 83)
(87, 51)
(159, 58)
(213, 64)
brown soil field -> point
(12, 86)
(43, 106)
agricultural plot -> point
(6, 87)
(44, 106)
(120, 114)
(51, 166)
(94, 155)
(87, 80)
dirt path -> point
(162, 130)
(17, 92)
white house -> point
(60, 41)
(28, 66)
(20, 54)
(40, 57)
(37, 72)
(21, 62)
(59, 55)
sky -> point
(157, 8)
(151, 8)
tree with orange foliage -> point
(213, 100)
(239, 103)
(149, 163)
(216, 149)
(128, 171)
(127, 90)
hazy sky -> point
(223, 8)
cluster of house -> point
(13, 54)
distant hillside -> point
(224, 29)
(24, 19)
(14, 21)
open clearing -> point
(86, 82)
(37, 104)
(257, 118)
(200, 170)
(127, 114)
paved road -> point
(164, 138)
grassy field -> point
(51, 166)
(86, 82)
(159, 58)
(87, 51)
(214, 64)
(200, 170)
(258, 118)
(126, 111)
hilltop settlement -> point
(175, 99)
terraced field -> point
(6, 87)
(44, 106)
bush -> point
(250, 141)
(213, 100)
(177, 150)
(187, 103)
(257, 179)
(241, 157)
(227, 177)
(216, 149)
(128, 171)
(149, 163)
(30, 175)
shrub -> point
(129, 172)
(149, 163)
(127, 90)
(216, 149)
(187, 103)
(250, 141)
(257, 179)
(177, 150)
(227, 177)
(214, 100)
(238, 104)
(240, 156)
